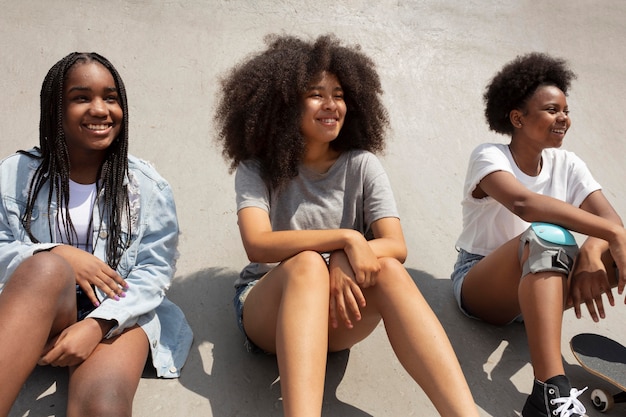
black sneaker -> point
(554, 398)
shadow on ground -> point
(237, 383)
(495, 360)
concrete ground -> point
(434, 57)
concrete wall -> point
(434, 57)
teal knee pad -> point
(551, 248)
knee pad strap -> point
(551, 248)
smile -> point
(98, 127)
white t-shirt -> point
(487, 224)
(82, 198)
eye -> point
(111, 99)
(79, 99)
(566, 112)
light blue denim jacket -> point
(148, 265)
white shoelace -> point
(570, 406)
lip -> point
(328, 121)
(559, 130)
(98, 128)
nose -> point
(330, 104)
(563, 115)
(98, 107)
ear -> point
(516, 116)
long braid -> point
(55, 166)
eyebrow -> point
(83, 88)
(319, 87)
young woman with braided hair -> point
(299, 122)
(517, 260)
(88, 238)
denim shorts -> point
(84, 306)
(464, 262)
(241, 293)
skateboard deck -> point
(606, 359)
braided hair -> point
(517, 81)
(260, 107)
(55, 166)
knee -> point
(105, 400)
(45, 272)
(390, 268)
(392, 274)
(308, 263)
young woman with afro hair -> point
(517, 259)
(300, 122)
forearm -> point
(389, 248)
(550, 210)
(278, 246)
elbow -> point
(524, 211)
(402, 254)
(254, 255)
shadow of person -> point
(491, 356)
(44, 394)
(219, 368)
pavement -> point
(435, 58)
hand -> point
(362, 259)
(90, 270)
(346, 297)
(589, 280)
(74, 344)
(618, 252)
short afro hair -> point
(517, 81)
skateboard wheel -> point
(602, 401)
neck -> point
(320, 159)
(529, 163)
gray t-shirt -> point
(352, 194)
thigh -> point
(303, 274)
(490, 288)
(105, 384)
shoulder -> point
(558, 154)
(489, 149)
(18, 158)
(19, 165)
(363, 159)
(145, 171)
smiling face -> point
(92, 115)
(545, 119)
(324, 110)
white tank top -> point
(82, 198)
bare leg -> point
(417, 337)
(542, 298)
(287, 313)
(105, 384)
(38, 301)
(494, 291)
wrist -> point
(104, 326)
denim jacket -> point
(148, 265)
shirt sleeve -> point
(154, 266)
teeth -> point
(97, 127)
(327, 120)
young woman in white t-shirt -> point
(532, 180)
(299, 122)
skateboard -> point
(606, 359)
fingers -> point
(112, 286)
(346, 304)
